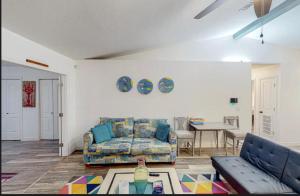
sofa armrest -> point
(87, 141)
(172, 138)
(173, 143)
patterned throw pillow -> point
(121, 127)
(152, 122)
(144, 130)
(120, 130)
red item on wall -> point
(29, 93)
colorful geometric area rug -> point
(6, 176)
(82, 185)
(203, 184)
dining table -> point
(209, 127)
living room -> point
(137, 70)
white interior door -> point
(11, 109)
(46, 111)
(267, 106)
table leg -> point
(178, 149)
(224, 133)
(200, 143)
(217, 138)
(194, 142)
(233, 143)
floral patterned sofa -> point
(134, 139)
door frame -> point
(21, 109)
(63, 150)
(63, 122)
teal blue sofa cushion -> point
(162, 132)
(101, 133)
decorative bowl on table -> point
(197, 121)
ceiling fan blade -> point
(210, 8)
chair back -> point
(232, 120)
(181, 123)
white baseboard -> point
(30, 139)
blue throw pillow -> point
(101, 133)
(109, 126)
(162, 132)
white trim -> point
(290, 144)
(30, 139)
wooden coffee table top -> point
(168, 176)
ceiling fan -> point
(210, 8)
(261, 7)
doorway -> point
(265, 80)
(24, 123)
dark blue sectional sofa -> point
(263, 167)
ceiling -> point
(105, 28)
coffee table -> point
(168, 176)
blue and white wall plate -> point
(124, 84)
(145, 86)
(166, 85)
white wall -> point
(17, 49)
(289, 104)
(227, 49)
(201, 89)
(30, 116)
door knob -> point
(261, 112)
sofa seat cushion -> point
(149, 146)
(121, 145)
(248, 177)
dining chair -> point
(236, 135)
(181, 129)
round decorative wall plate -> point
(145, 86)
(166, 85)
(124, 84)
